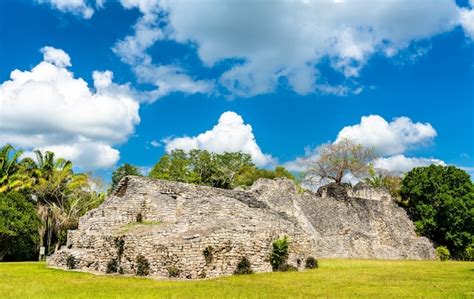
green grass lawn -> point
(334, 278)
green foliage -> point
(112, 266)
(243, 267)
(208, 254)
(19, 226)
(173, 272)
(122, 171)
(391, 183)
(60, 196)
(227, 170)
(279, 255)
(440, 200)
(311, 263)
(143, 266)
(442, 252)
(469, 253)
(71, 262)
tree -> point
(122, 171)
(338, 159)
(440, 200)
(226, 170)
(13, 173)
(383, 179)
(18, 227)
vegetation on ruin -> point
(227, 170)
(333, 279)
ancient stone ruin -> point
(187, 231)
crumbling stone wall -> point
(171, 224)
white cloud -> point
(288, 39)
(230, 134)
(389, 138)
(467, 20)
(76, 7)
(400, 163)
(47, 108)
(167, 78)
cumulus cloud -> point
(389, 138)
(47, 108)
(401, 163)
(288, 39)
(230, 134)
(467, 20)
(77, 7)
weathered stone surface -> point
(179, 221)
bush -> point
(287, 268)
(173, 272)
(143, 266)
(70, 262)
(112, 266)
(470, 253)
(208, 253)
(279, 253)
(311, 263)
(442, 252)
(243, 267)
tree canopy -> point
(441, 202)
(226, 170)
(120, 172)
(335, 160)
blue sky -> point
(400, 79)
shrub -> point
(112, 266)
(70, 262)
(311, 263)
(143, 266)
(442, 252)
(287, 268)
(279, 253)
(119, 244)
(208, 253)
(243, 267)
(173, 272)
(469, 254)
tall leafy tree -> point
(441, 202)
(14, 174)
(122, 171)
(19, 224)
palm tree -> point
(55, 185)
(13, 173)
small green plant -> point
(208, 253)
(70, 262)
(143, 266)
(279, 254)
(120, 245)
(243, 267)
(469, 253)
(311, 263)
(173, 272)
(442, 252)
(112, 266)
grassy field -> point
(334, 278)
